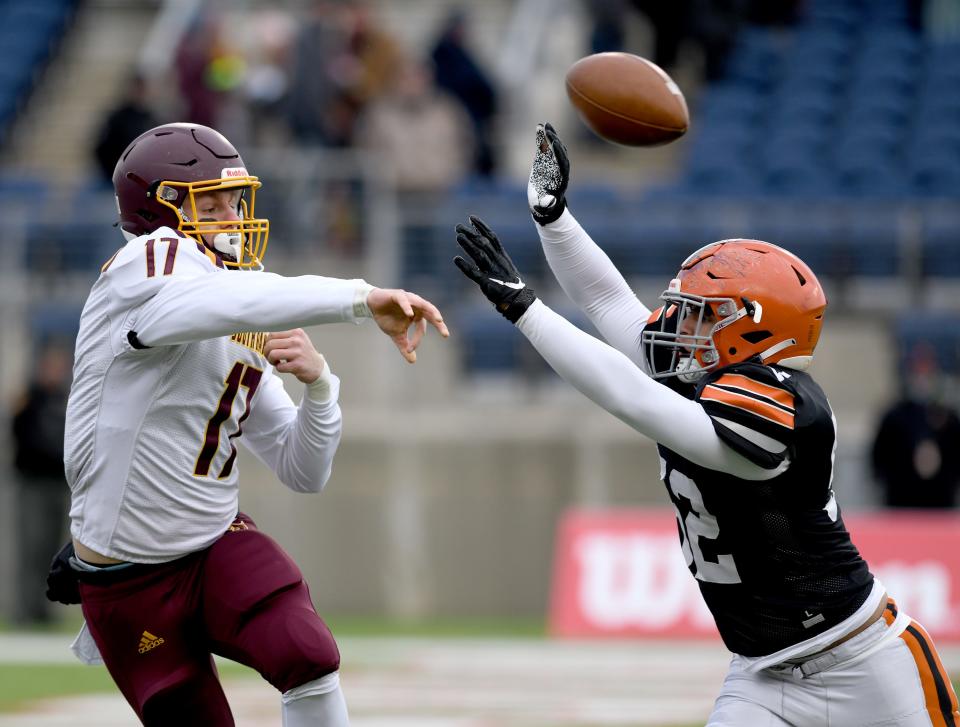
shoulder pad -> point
(751, 392)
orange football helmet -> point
(732, 301)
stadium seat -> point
(940, 242)
(940, 332)
(52, 322)
(490, 344)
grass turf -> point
(23, 683)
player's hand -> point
(395, 311)
(493, 270)
(292, 352)
(549, 176)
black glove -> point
(62, 581)
(493, 270)
(548, 177)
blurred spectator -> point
(324, 70)
(608, 25)
(122, 125)
(192, 59)
(456, 72)
(209, 74)
(916, 450)
(420, 132)
(41, 492)
(267, 81)
(378, 52)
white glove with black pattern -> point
(549, 176)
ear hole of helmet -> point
(755, 336)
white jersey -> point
(168, 374)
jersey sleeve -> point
(297, 442)
(753, 412)
(143, 268)
(170, 291)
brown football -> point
(626, 99)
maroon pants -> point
(242, 598)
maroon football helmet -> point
(162, 171)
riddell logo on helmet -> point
(233, 172)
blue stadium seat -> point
(936, 177)
(872, 238)
(23, 189)
(69, 247)
(811, 232)
(835, 16)
(53, 322)
(727, 101)
(941, 240)
(489, 343)
(799, 176)
(939, 331)
(723, 176)
(822, 45)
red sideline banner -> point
(622, 573)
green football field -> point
(506, 673)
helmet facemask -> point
(684, 344)
(240, 243)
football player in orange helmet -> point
(717, 378)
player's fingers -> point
(471, 271)
(402, 299)
(482, 228)
(468, 232)
(400, 341)
(278, 355)
(273, 342)
(543, 145)
(419, 329)
(474, 248)
(430, 312)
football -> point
(626, 99)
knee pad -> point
(305, 648)
(287, 642)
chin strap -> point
(777, 348)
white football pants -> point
(878, 678)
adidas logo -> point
(149, 641)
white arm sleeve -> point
(594, 284)
(297, 443)
(196, 308)
(611, 380)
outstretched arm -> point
(584, 271)
(192, 300)
(601, 373)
